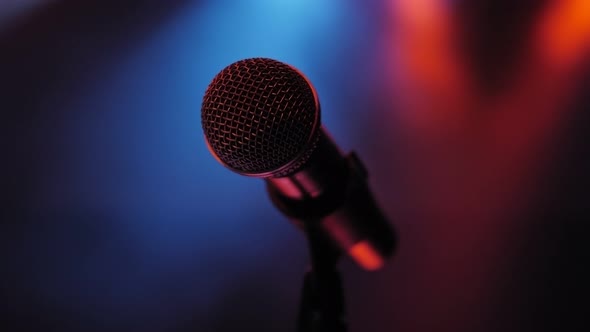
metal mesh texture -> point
(260, 116)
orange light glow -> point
(366, 256)
(564, 32)
(423, 46)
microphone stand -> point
(322, 301)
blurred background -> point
(471, 116)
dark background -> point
(471, 116)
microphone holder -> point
(322, 300)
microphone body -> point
(331, 194)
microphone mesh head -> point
(261, 117)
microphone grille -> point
(260, 117)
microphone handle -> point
(331, 193)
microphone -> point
(261, 118)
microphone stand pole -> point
(322, 300)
